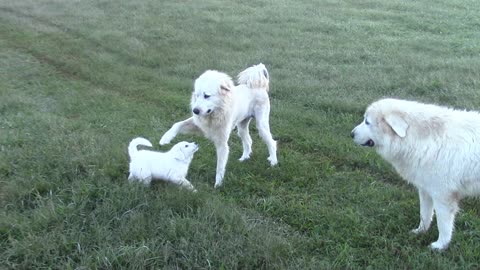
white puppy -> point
(219, 106)
(437, 149)
(171, 166)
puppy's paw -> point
(146, 182)
(273, 161)
(191, 188)
(186, 184)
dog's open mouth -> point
(369, 143)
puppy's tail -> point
(132, 147)
(255, 77)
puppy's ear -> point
(397, 122)
(179, 154)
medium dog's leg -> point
(445, 211)
(426, 212)
(244, 135)
(263, 126)
(182, 127)
(222, 158)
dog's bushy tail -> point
(255, 77)
(132, 147)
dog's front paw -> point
(438, 246)
(273, 161)
(166, 138)
(218, 181)
(417, 231)
(421, 228)
(244, 157)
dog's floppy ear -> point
(397, 123)
(226, 87)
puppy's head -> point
(211, 91)
(183, 151)
(382, 123)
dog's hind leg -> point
(445, 211)
(182, 127)
(222, 158)
(263, 126)
(244, 135)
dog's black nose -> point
(352, 134)
(196, 111)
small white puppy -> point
(435, 148)
(219, 106)
(171, 166)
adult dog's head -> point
(212, 90)
(383, 123)
(183, 151)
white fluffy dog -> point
(437, 149)
(171, 166)
(219, 106)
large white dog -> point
(171, 166)
(219, 106)
(437, 149)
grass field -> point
(80, 79)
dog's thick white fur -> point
(437, 149)
(171, 166)
(219, 106)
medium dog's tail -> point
(132, 147)
(255, 77)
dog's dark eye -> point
(186, 146)
(206, 96)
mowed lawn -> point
(80, 79)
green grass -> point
(80, 79)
